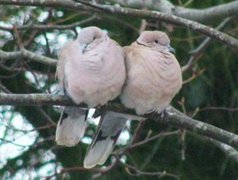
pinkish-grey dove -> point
(153, 73)
(91, 70)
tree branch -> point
(222, 37)
(27, 54)
(228, 150)
(173, 117)
(35, 99)
(180, 120)
(200, 15)
(50, 26)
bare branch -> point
(48, 126)
(228, 150)
(10, 55)
(196, 53)
(134, 171)
(163, 134)
(39, 58)
(180, 120)
(115, 10)
(5, 141)
(34, 99)
(27, 54)
(200, 15)
(50, 26)
(82, 169)
(47, 3)
(229, 109)
(208, 14)
(173, 116)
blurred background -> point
(209, 94)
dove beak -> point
(84, 48)
(172, 50)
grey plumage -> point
(110, 127)
(70, 130)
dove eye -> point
(156, 41)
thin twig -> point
(50, 26)
(28, 131)
(140, 143)
(11, 142)
(219, 109)
(133, 171)
(197, 53)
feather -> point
(105, 139)
(70, 130)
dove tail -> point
(105, 139)
(71, 129)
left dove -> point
(91, 70)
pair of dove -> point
(94, 69)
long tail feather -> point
(70, 130)
(105, 139)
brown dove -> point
(91, 70)
(153, 73)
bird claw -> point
(166, 112)
(169, 111)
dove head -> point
(155, 39)
(90, 37)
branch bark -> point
(173, 117)
(230, 152)
(27, 54)
(200, 15)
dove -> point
(153, 73)
(153, 78)
(91, 70)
